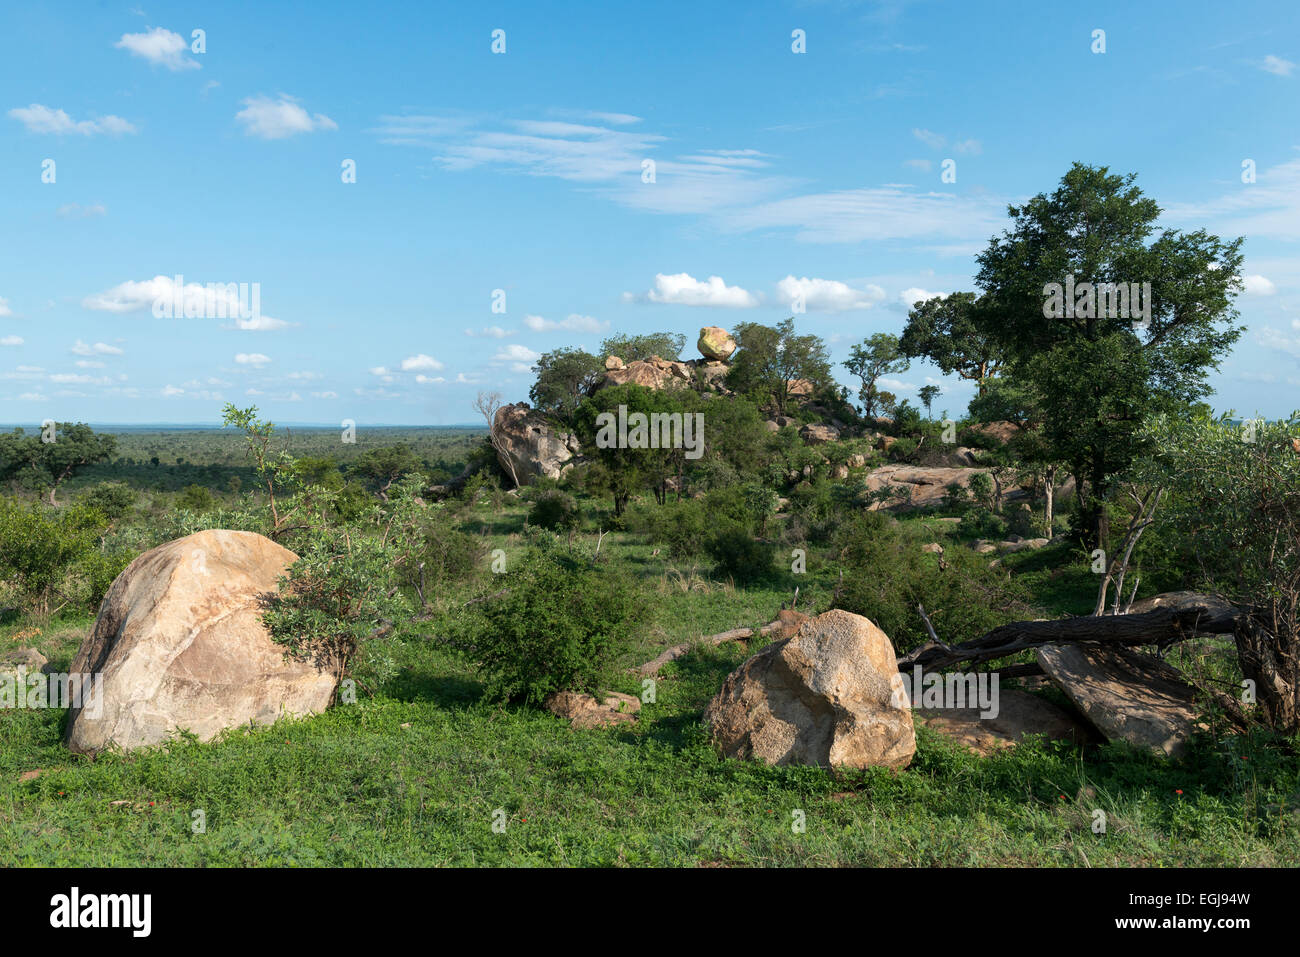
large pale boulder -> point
(180, 645)
(716, 343)
(1128, 696)
(827, 696)
(528, 446)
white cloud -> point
(11, 341)
(426, 380)
(889, 212)
(935, 141)
(922, 165)
(685, 290)
(4, 307)
(255, 359)
(490, 332)
(88, 364)
(603, 153)
(79, 378)
(80, 348)
(160, 47)
(305, 376)
(42, 119)
(574, 323)
(275, 119)
(196, 300)
(32, 397)
(420, 362)
(324, 395)
(77, 211)
(897, 385)
(1276, 65)
(971, 147)
(1268, 208)
(171, 390)
(827, 295)
(259, 323)
(910, 297)
(1258, 286)
(1271, 338)
(516, 353)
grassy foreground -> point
(419, 774)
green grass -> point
(415, 774)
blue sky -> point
(775, 171)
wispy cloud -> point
(1277, 65)
(42, 119)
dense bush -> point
(43, 550)
(196, 498)
(555, 620)
(555, 511)
(111, 499)
(886, 576)
(741, 557)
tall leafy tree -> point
(877, 355)
(769, 359)
(927, 394)
(1097, 376)
(47, 459)
(564, 377)
(944, 330)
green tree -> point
(665, 345)
(1097, 376)
(47, 459)
(878, 355)
(624, 470)
(927, 394)
(564, 378)
(1233, 511)
(770, 359)
(380, 468)
(944, 330)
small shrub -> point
(555, 621)
(555, 511)
(740, 556)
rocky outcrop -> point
(716, 343)
(528, 446)
(1002, 432)
(926, 487)
(818, 434)
(179, 645)
(1126, 695)
(827, 696)
(653, 373)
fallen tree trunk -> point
(1164, 626)
(785, 625)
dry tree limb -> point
(736, 634)
(1160, 627)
